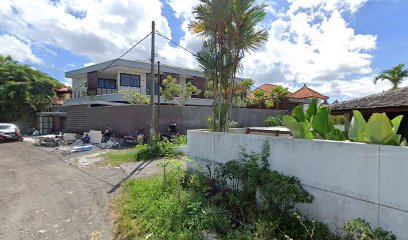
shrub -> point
(361, 229)
(163, 148)
(180, 140)
(273, 121)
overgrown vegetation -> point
(23, 92)
(241, 199)
(159, 148)
(273, 121)
(316, 121)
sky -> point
(336, 47)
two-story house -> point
(100, 83)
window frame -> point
(110, 82)
(130, 80)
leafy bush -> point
(242, 199)
(314, 122)
(361, 229)
(338, 119)
(272, 121)
(180, 140)
(163, 148)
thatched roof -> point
(389, 99)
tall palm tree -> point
(230, 29)
(395, 75)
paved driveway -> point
(44, 197)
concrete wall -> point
(348, 180)
(128, 119)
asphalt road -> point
(44, 197)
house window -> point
(129, 80)
(106, 83)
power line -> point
(117, 59)
(163, 36)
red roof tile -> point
(306, 92)
(266, 87)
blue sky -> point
(335, 46)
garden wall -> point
(348, 180)
(127, 119)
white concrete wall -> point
(348, 180)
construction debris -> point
(96, 136)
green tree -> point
(395, 75)
(23, 91)
(134, 97)
(229, 28)
(277, 94)
(172, 91)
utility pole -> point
(158, 96)
(152, 86)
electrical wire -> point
(117, 59)
(163, 36)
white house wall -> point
(348, 180)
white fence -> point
(348, 180)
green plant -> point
(395, 75)
(230, 29)
(315, 121)
(273, 121)
(338, 119)
(359, 229)
(172, 91)
(378, 130)
(180, 140)
(134, 97)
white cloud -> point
(311, 42)
(21, 51)
(99, 30)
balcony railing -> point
(102, 91)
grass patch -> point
(116, 158)
(141, 152)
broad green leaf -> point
(395, 140)
(336, 135)
(311, 110)
(396, 122)
(298, 130)
(379, 129)
(321, 122)
(357, 127)
(298, 114)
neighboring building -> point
(392, 102)
(100, 83)
(300, 97)
(54, 119)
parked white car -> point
(9, 132)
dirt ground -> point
(47, 195)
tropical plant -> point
(277, 94)
(134, 97)
(395, 75)
(172, 91)
(315, 121)
(229, 28)
(378, 130)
